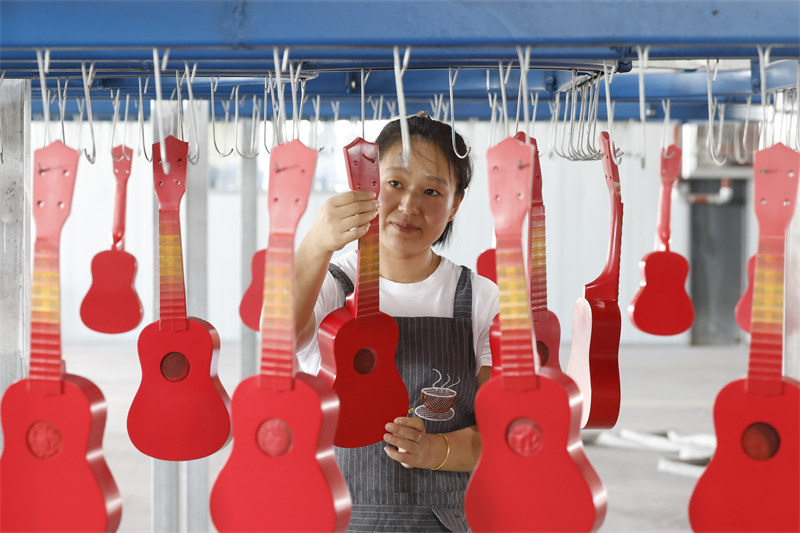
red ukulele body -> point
(532, 474)
(752, 482)
(52, 471)
(181, 410)
(282, 474)
(112, 305)
(358, 342)
(661, 305)
(596, 321)
(253, 297)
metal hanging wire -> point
(140, 119)
(452, 79)
(87, 82)
(399, 70)
(157, 67)
(643, 54)
(713, 107)
(214, 85)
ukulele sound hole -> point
(364, 361)
(760, 441)
(274, 438)
(544, 352)
(174, 367)
(524, 437)
(44, 439)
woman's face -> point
(416, 202)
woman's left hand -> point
(415, 447)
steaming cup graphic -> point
(438, 401)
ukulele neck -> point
(538, 258)
(765, 368)
(516, 337)
(278, 365)
(664, 207)
(172, 304)
(606, 286)
(366, 299)
(46, 369)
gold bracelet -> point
(446, 454)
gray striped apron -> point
(435, 354)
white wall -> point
(575, 197)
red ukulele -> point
(52, 473)
(753, 480)
(661, 305)
(545, 322)
(181, 410)
(358, 342)
(282, 474)
(532, 474)
(112, 305)
(596, 323)
(252, 299)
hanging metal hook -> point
(44, 66)
(608, 77)
(140, 118)
(763, 63)
(399, 70)
(364, 79)
(741, 156)
(665, 154)
(236, 128)
(214, 84)
(87, 82)
(314, 138)
(712, 109)
(453, 116)
(279, 68)
(524, 67)
(162, 145)
(114, 126)
(643, 54)
(504, 75)
(189, 77)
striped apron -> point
(436, 360)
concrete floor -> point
(663, 388)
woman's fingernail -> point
(389, 427)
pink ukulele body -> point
(358, 342)
(181, 410)
(253, 297)
(532, 474)
(282, 474)
(52, 472)
(596, 321)
(661, 305)
(111, 305)
(752, 482)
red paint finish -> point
(179, 413)
(752, 482)
(253, 297)
(111, 305)
(596, 321)
(282, 474)
(370, 395)
(661, 305)
(52, 472)
(532, 474)
(745, 304)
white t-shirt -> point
(432, 296)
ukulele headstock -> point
(670, 163)
(509, 165)
(291, 171)
(609, 166)
(170, 187)
(363, 164)
(54, 168)
(775, 181)
(123, 156)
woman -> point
(415, 480)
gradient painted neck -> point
(366, 299)
(765, 369)
(538, 258)
(118, 228)
(46, 369)
(278, 365)
(172, 309)
(516, 327)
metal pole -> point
(195, 475)
(165, 479)
(249, 341)
(15, 210)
